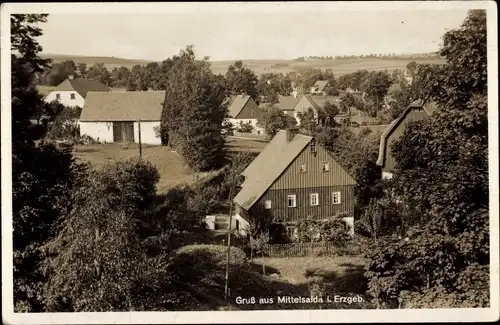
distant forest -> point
(392, 56)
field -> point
(268, 280)
(172, 169)
(109, 62)
(339, 67)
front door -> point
(123, 131)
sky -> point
(248, 34)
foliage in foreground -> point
(440, 189)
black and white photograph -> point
(198, 162)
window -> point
(313, 146)
(314, 198)
(292, 201)
(336, 197)
(325, 166)
(58, 96)
(250, 122)
(73, 96)
(267, 204)
(302, 167)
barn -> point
(117, 117)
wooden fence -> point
(311, 249)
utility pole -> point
(226, 287)
(140, 142)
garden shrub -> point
(134, 178)
(245, 128)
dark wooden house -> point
(416, 111)
(292, 179)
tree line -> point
(392, 56)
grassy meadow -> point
(339, 67)
(173, 171)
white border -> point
(279, 316)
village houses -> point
(244, 110)
(416, 111)
(73, 92)
(295, 178)
(118, 116)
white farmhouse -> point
(114, 117)
(244, 110)
(72, 92)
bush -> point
(333, 230)
(245, 128)
(134, 178)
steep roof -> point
(321, 100)
(313, 103)
(82, 86)
(268, 166)
(123, 106)
(419, 104)
(320, 85)
(237, 104)
(286, 103)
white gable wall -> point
(103, 131)
(253, 121)
(100, 131)
(147, 132)
(65, 98)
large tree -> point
(99, 72)
(240, 80)
(375, 86)
(441, 186)
(275, 120)
(41, 173)
(194, 110)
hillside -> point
(338, 67)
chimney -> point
(290, 133)
(71, 77)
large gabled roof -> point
(82, 86)
(286, 103)
(428, 108)
(268, 166)
(312, 102)
(236, 105)
(123, 106)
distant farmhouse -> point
(319, 87)
(244, 110)
(287, 104)
(72, 92)
(295, 178)
(305, 103)
(416, 111)
(114, 117)
(292, 106)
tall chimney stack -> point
(290, 133)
